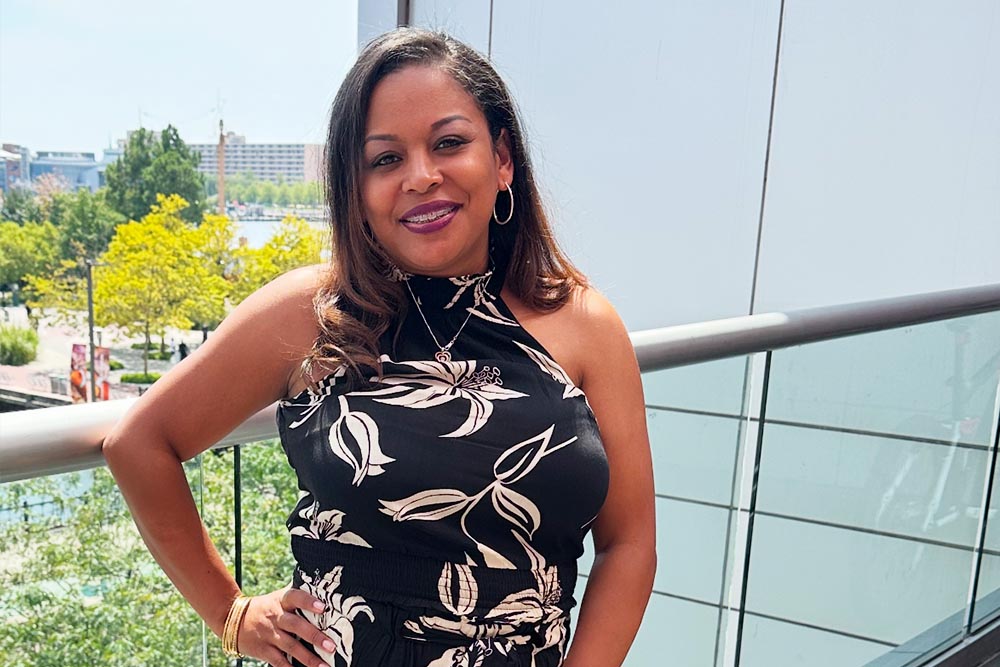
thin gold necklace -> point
(443, 354)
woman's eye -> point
(451, 142)
(383, 160)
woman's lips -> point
(429, 217)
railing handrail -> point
(685, 344)
(46, 441)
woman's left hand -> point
(272, 628)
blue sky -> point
(74, 75)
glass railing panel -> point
(987, 607)
(713, 387)
(987, 604)
(694, 455)
(76, 579)
(786, 643)
(269, 493)
(675, 632)
(935, 381)
(884, 590)
(691, 550)
(694, 420)
(873, 483)
(872, 470)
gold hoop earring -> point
(510, 214)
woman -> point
(441, 387)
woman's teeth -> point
(428, 217)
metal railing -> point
(53, 440)
(47, 441)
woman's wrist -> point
(231, 629)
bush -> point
(113, 364)
(152, 346)
(17, 346)
(161, 356)
(140, 378)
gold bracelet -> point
(234, 619)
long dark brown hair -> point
(358, 299)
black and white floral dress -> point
(443, 508)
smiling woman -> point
(461, 409)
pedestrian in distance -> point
(461, 408)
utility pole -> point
(90, 322)
(220, 166)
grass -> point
(18, 346)
(140, 378)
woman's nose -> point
(422, 173)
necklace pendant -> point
(443, 356)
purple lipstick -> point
(430, 217)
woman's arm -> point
(621, 579)
(243, 367)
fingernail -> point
(329, 646)
(318, 606)
(323, 664)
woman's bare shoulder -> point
(245, 365)
(591, 314)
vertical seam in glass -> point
(238, 523)
(767, 158)
(201, 510)
(402, 13)
(733, 509)
(753, 507)
(489, 34)
(983, 518)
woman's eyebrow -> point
(434, 126)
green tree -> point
(213, 243)
(296, 243)
(153, 277)
(19, 205)
(267, 192)
(86, 224)
(152, 165)
(284, 197)
(48, 188)
(27, 249)
(78, 588)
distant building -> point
(266, 162)
(13, 166)
(19, 167)
(81, 170)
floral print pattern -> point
(325, 525)
(337, 622)
(434, 383)
(459, 464)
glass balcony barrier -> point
(826, 495)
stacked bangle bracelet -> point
(234, 619)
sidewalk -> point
(55, 344)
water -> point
(258, 232)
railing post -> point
(984, 510)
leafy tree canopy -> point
(295, 243)
(86, 223)
(152, 165)
(78, 588)
(153, 276)
(28, 248)
(20, 205)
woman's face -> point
(431, 173)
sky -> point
(77, 76)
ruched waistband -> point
(418, 581)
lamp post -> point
(90, 324)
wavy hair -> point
(358, 299)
